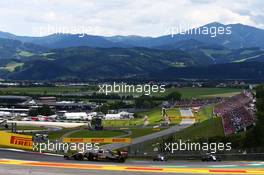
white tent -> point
(112, 116)
(5, 114)
(75, 115)
(126, 115)
(120, 115)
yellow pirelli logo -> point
(15, 140)
(97, 140)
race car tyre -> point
(78, 157)
(121, 160)
(90, 157)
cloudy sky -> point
(123, 17)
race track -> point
(17, 163)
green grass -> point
(54, 135)
(139, 132)
(42, 90)
(187, 92)
(204, 113)
(122, 123)
(175, 113)
(209, 128)
(190, 92)
(95, 134)
(154, 115)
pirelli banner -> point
(174, 118)
(15, 140)
(97, 140)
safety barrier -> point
(15, 140)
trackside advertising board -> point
(15, 140)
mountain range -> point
(69, 56)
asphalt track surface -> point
(17, 163)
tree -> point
(144, 101)
(44, 110)
(103, 108)
(118, 105)
(173, 96)
(255, 137)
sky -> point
(123, 17)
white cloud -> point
(126, 17)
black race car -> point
(160, 157)
(99, 155)
(210, 157)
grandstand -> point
(236, 112)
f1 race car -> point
(159, 157)
(210, 157)
(99, 155)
